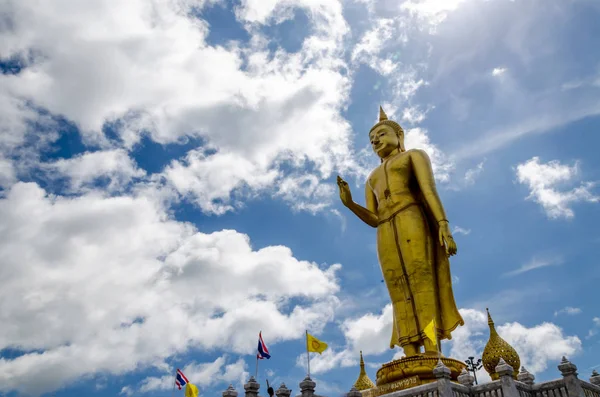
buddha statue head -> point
(386, 136)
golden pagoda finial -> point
(490, 322)
(382, 115)
(363, 382)
(496, 349)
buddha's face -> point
(384, 140)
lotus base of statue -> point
(419, 369)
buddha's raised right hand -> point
(345, 194)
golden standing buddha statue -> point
(414, 239)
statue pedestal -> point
(415, 370)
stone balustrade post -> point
(283, 391)
(465, 378)
(595, 378)
(525, 377)
(353, 393)
(569, 374)
(252, 387)
(505, 373)
(442, 376)
(230, 392)
(307, 387)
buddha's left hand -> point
(446, 237)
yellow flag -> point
(430, 332)
(191, 390)
(315, 345)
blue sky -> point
(167, 184)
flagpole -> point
(307, 353)
(174, 380)
(256, 370)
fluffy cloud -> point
(7, 172)
(498, 71)
(537, 346)
(545, 182)
(433, 12)
(203, 374)
(442, 166)
(83, 171)
(571, 311)
(372, 42)
(114, 284)
(146, 69)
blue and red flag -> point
(180, 379)
(263, 352)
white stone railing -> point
(491, 389)
(525, 390)
(590, 390)
(506, 386)
(426, 390)
(553, 388)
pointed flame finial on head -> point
(382, 115)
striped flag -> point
(180, 379)
(263, 352)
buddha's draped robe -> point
(414, 264)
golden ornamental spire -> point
(382, 115)
(497, 348)
(363, 382)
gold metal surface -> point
(497, 348)
(413, 239)
(363, 382)
(391, 387)
(416, 366)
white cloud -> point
(328, 360)
(148, 70)
(568, 310)
(202, 375)
(536, 263)
(460, 230)
(596, 325)
(88, 168)
(498, 71)
(545, 180)
(7, 172)
(417, 138)
(372, 42)
(414, 115)
(472, 173)
(369, 333)
(126, 391)
(432, 12)
(537, 346)
(189, 289)
(306, 192)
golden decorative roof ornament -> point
(497, 348)
(363, 382)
